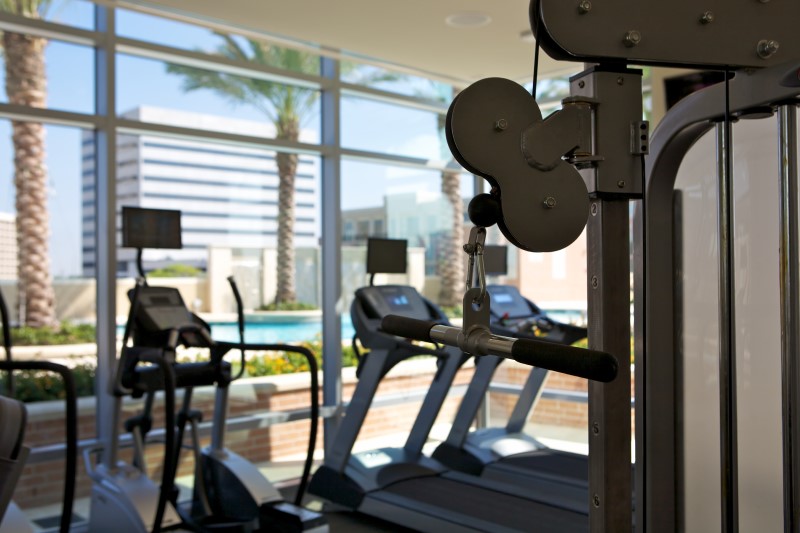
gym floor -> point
(284, 475)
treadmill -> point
(507, 454)
(402, 485)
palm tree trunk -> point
(287, 171)
(451, 267)
(26, 84)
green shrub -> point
(452, 311)
(176, 270)
(584, 343)
(288, 306)
(274, 363)
(39, 386)
(68, 333)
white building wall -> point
(228, 195)
(8, 246)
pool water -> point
(259, 332)
(272, 333)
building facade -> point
(8, 246)
(227, 195)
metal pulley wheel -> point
(540, 211)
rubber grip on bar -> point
(587, 364)
(408, 328)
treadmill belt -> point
(475, 502)
(567, 465)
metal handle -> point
(587, 364)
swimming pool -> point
(273, 332)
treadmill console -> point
(508, 302)
(400, 300)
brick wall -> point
(42, 483)
(546, 411)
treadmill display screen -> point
(399, 302)
(503, 298)
(382, 300)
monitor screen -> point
(386, 256)
(502, 299)
(495, 260)
(150, 228)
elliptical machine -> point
(13, 453)
(229, 493)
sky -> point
(365, 125)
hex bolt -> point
(707, 17)
(621, 184)
(620, 80)
(584, 7)
(596, 500)
(501, 124)
(766, 48)
(632, 38)
(595, 283)
(550, 202)
(581, 84)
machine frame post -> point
(790, 314)
(608, 260)
(613, 180)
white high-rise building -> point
(228, 195)
(8, 246)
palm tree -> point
(26, 84)
(451, 263)
(451, 266)
(285, 106)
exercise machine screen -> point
(151, 228)
(386, 256)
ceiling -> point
(406, 33)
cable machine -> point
(583, 165)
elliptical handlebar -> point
(239, 321)
(581, 362)
(313, 368)
(71, 418)
(176, 333)
(71, 422)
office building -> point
(8, 246)
(228, 195)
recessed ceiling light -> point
(468, 19)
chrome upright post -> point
(790, 315)
(727, 333)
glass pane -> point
(78, 13)
(392, 129)
(196, 38)
(155, 91)
(405, 203)
(62, 78)
(387, 80)
(51, 304)
(229, 199)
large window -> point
(226, 127)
